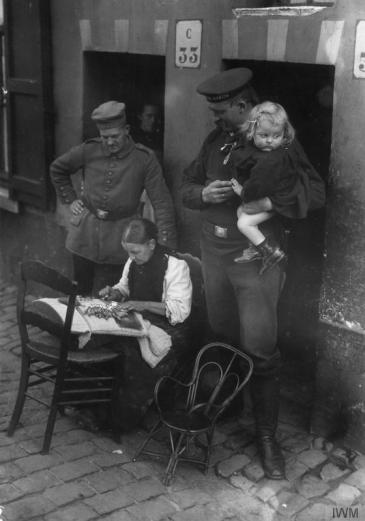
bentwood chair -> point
(219, 374)
(49, 353)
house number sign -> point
(359, 59)
(188, 43)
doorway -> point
(306, 92)
(134, 79)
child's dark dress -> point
(279, 175)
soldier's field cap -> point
(110, 114)
(225, 85)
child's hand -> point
(236, 187)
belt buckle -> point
(101, 214)
(220, 232)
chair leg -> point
(19, 404)
(61, 410)
(174, 457)
(49, 429)
(210, 435)
(57, 393)
(153, 431)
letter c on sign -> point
(188, 33)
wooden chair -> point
(219, 374)
(77, 375)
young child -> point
(267, 169)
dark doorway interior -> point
(306, 92)
(133, 79)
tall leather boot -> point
(265, 400)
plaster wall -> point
(67, 73)
(340, 395)
(343, 287)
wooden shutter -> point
(30, 125)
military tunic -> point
(112, 188)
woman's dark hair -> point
(139, 231)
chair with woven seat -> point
(49, 353)
(219, 374)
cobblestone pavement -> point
(88, 476)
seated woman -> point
(156, 284)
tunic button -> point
(110, 173)
(108, 181)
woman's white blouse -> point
(177, 289)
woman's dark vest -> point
(145, 281)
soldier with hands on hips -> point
(115, 172)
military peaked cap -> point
(109, 115)
(225, 85)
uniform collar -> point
(233, 140)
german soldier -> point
(115, 171)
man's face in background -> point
(149, 118)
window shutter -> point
(29, 85)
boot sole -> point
(246, 261)
(274, 477)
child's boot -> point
(249, 254)
(272, 255)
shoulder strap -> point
(143, 148)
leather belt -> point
(222, 232)
(106, 215)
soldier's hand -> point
(76, 206)
(217, 192)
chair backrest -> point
(34, 271)
(220, 372)
(196, 276)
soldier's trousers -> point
(242, 307)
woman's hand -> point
(133, 305)
(143, 305)
(109, 293)
(77, 206)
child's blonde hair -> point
(273, 112)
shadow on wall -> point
(31, 235)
